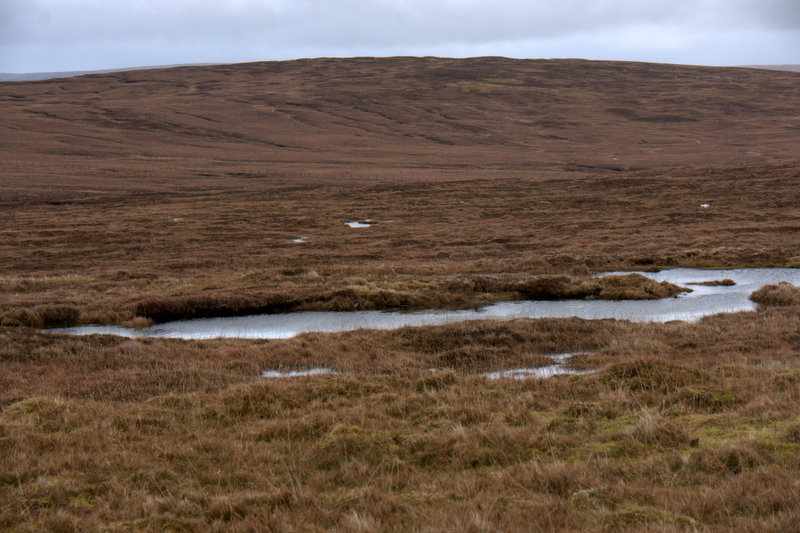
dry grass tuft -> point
(42, 316)
(651, 375)
(205, 306)
(782, 294)
(727, 282)
(613, 287)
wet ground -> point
(703, 300)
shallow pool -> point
(702, 301)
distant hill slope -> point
(397, 117)
(790, 68)
(37, 76)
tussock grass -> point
(727, 282)
(101, 432)
(614, 287)
(780, 294)
(42, 316)
(205, 306)
(354, 294)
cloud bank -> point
(85, 34)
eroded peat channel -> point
(708, 296)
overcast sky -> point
(58, 35)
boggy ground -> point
(679, 427)
(185, 189)
(132, 194)
(115, 255)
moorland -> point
(148, 195)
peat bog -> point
(138, 197)
(613, 297)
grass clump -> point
(635, 287)
(653, 428)
(707, 399)
(42, 316)
(101, 432)
(727, 282)
(780, 294)
(649, 375)
(205, 306)
(613, 287)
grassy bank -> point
(452, 293)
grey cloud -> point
(379, 27)
(352, 21)
(777, 14)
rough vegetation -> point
(182, 190)
(727, 282)
(779, 294)
(679, 426)
(150, 195)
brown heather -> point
(151, 195)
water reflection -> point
(297, 373)
(703, 300)
(555, 369)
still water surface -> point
(691, 306)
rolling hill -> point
(401, 118)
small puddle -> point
(705, 299)
(297, 373)
(526, 373)
(514, 373)
(302, 238)
(555, 369)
